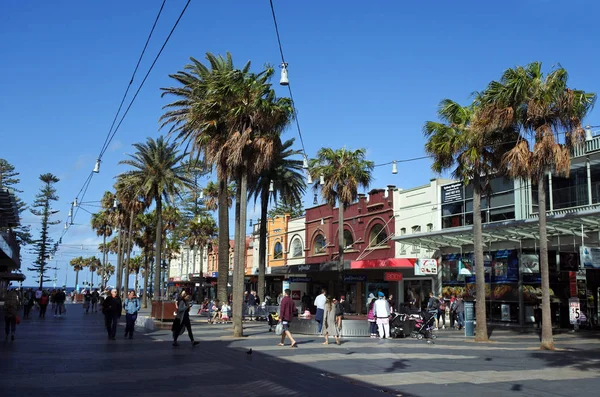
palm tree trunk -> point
(262, 242)
(146, 278)
(119, 261)
(547, 338)
(240, 254)
(481, 334)
(223, 252)
(341, 246)
(76, 279)
(201, 290)
(92, 279)
(129, 236)
(104, 255)
(158, 247)
(194, 258)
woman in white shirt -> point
(382, 314)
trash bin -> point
(469, 319)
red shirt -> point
(286, 309)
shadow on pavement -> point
(583, 360)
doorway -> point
(420, 288)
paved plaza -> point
(71, 356)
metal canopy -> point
(559, 225)
(9, 213)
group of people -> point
(437, 306)
(113, 307)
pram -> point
(424, 326)
(273, 319)
(400, 325)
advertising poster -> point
(426, 267)
(530, 263)
(590, 257)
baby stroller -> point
(424, 326)
(273, 319)
(399, 325)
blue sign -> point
(355, 279)
(215, 274)
(300, 279)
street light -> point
(322, 179)
(284, 74)
(97, 166)
(394, 167)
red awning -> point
(405, 263)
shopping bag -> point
(279, 329)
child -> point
(225, 312)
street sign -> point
(573, 310)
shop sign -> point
(573, 310)
(426, 267)
(407, 263)
(529, 264)
(296, 295)
(452, 193)
(589, 257)
(306, 268)
(300, 279)
(392, 276)
(573, 284)
(355, 279)
(214, 274)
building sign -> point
(392, 276)
(355, 279)
(426, 267)
(406, 263)
(296, 295)
(300, 279)
(214, 274)
(573, 284)
(589, 257)
(573, 310)
(452, 193)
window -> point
(403, 231)
(348, 239)
(377, 235)
(277, 251)
(319, 244)
(430, 227)
(296, 248)
(416, 229)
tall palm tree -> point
(137, 263)
(157, 167)
(93, 264)
(144, 238)
(128, 194)
(196, 117)
(344, 171)
(472, 154)
(101, 224)
(544, 108)
(283, 178)
(105, 271)
(115, 216)
(200, 231)
(78, 264)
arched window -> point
(296, 248)
(348, 239)
(377, 235)
(319, 244)
(278, 251)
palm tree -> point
(137, 263)
(105, 272)
(100, 223)
(472, 155)
(156, 165)
(344, 171)
(78, 265)
(144, 238)
(197, 119)
(116, 218)
(200, 231)
(283, 178)
(544, 108)
(93, 264)
(127, 192)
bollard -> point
(469, 319)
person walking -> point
(11, 313)
(60, 299)
(329, 321)
(460, 312)
(286, 312)
(132, 307)
(452, 311)
(441, 313)
(252, 303)
(87, 302)
(28, 302)
(320, 305)
(95, 299)
(43, 302)
(183, 318)
(382, 314)
(111, 308)
(432, 307)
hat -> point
(380, 294)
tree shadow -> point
(517, 387)
(583, 360)
(397, 365)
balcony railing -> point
(590, 146)
(568, 210)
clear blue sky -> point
(364, 74)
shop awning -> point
(12, 276)
(406, 263)
(574, 224)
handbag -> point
(279, 329)
(17, 319)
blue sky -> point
(364, 74)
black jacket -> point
(112, 306)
